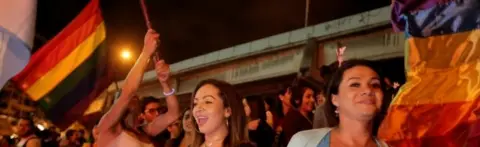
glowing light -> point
(40, 127)
(126, 54)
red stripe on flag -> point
(431, 124)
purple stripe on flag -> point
(454, 17)
(401, 7)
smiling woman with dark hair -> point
(219, 116)
(299, 118)
(354, 102)
(187, 131)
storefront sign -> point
(262, 67)
(277, 64)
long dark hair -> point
(278, 110)
(257, 107)
(333, 86)
(237, 130)
(177, 141)
(297, 95)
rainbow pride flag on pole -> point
(71, 70)
(440, 103)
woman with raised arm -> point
(120, 126)
(355, 97)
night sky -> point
(190, 28)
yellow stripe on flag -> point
(454, 62)
(53, 77)
(97, 105)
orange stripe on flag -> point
(442, 69)
(441, 99)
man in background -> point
(26, 131)
(71, 139)
(151, 108)
(319, 118)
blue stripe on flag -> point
(14, 55)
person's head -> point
(131, 119)
(25, 127)
(285, 96)
(320, 98)
(81, 133)
(254, 108)
(174, 129)
(303, 98)
(150, 108)
(216, 108)
(355, 93)
(72, 135)
(187, 122)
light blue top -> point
(318, 138)
(325, 142)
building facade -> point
(263, 66)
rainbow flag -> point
(439, 105)
(71, 70)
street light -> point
(126, 54)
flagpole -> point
(156, 55)
(307, 12)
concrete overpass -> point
(346, 25)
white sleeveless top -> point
(312, 138)
(125, 140)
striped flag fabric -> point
(17, 29)
(71, 69)
(439, 105)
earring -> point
(197, 130)
(226, 119)
(336, 112)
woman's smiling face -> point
(209, 109)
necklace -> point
(210, 143)
(338, 140)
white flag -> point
(17, 29)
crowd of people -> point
(346, 112)
(28, 135)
